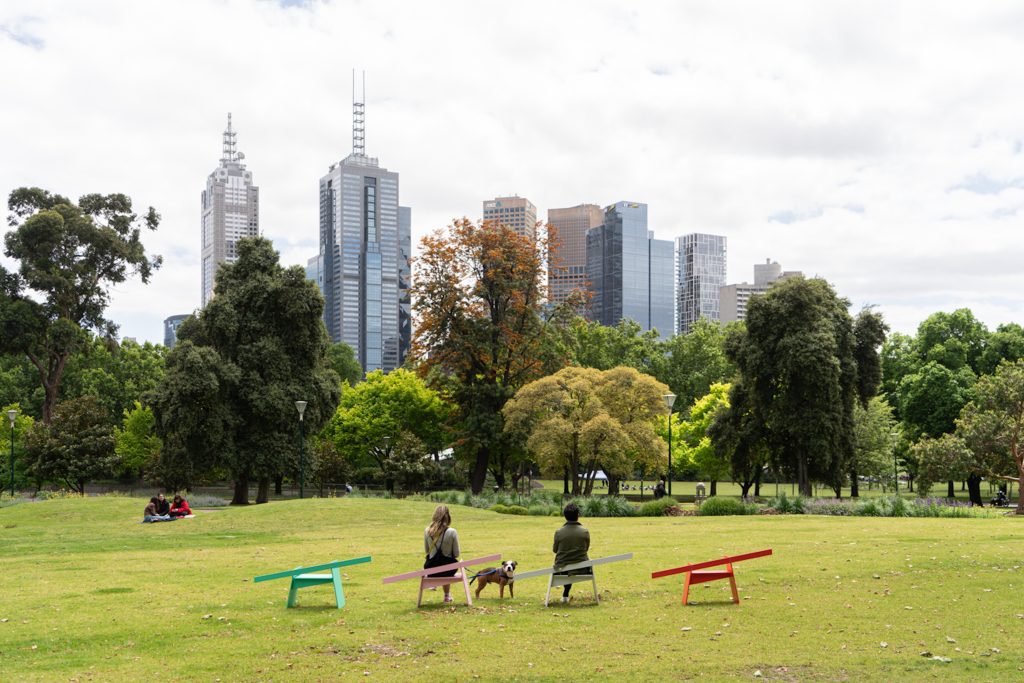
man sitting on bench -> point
(572, 541)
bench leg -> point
(547, 597)
(593, 580)
(339, 594)
(732, 582)
(465, 584)
(686, 587)
(419, 599)
(293, 593)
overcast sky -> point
(878, 145)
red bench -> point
(699, 572)
(429, 581)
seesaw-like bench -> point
(302, 577)
(698, 572)
(427, 580)
(558, 578)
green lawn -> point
(88, 593)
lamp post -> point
(301, 407)
(669, 399)
(895, 466)
(11, 414)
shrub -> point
(201, 500)
(828, 506)
(543, 508)
(656, 508)
(509, 509)
(716, 506)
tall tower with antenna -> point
(230, 210)
(365, 247)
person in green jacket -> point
(572, 541)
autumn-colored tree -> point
(479, 291)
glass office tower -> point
(701, 276)
(630, 273)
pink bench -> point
(427, 580)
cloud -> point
(865, 143)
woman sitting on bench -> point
(572, 541)
(441, 543)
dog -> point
(505, 575)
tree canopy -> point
(229, 394)
(69, 255)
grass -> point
(88, 593)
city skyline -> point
(883, 154)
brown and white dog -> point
(505, 575)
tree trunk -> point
(950, 489)
(714, 487)
(241, 496)
(565, 481)
(803, 483)
(854, 484)
(745, 488)
(757, 482)
(278, 484)
(263, 490)
(613, 486)
(974, 490)
(838, 490)
(389, 485)
(479, 478)
(80, 486)
(499, 479)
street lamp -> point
(895, 465)
(301, 406)
(669, 399)
(11, 414)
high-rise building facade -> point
(734, 298)
(171, 326)
(700, 272)
(365, 243)
(230, 211)
(516, 213)
(567, 271)
(630, 272)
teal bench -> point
(303, 577)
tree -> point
(932, 398)
(1006, 343)
(136, 443)
(952, 339)
(77, 445)
(943, 458)
(582, 420)
(23, 425)
(257, 347)
(342, 359)
(696, 360)
(992, 426)
(387, 418)
(117, 374)
(590, 344)
(478, 296)
(69, 256)
(875, 429)
(711, 462)
(798, 359)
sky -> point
(879, 145)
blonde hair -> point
(440, 522)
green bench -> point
(303, 577)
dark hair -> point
(154, 499)
(572, 512)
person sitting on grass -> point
(441, 543)
(162, 506)
(179, 507)
(572, 541)
(151, 513)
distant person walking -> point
(659, 490)
(441, 543)
(572, 541)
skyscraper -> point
(365, 243)
(230, 211)
(517, 213)
(701, 274)
(171, 325)
(567, 271)
(630, 272)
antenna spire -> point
(358, 118)
(230, 154)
